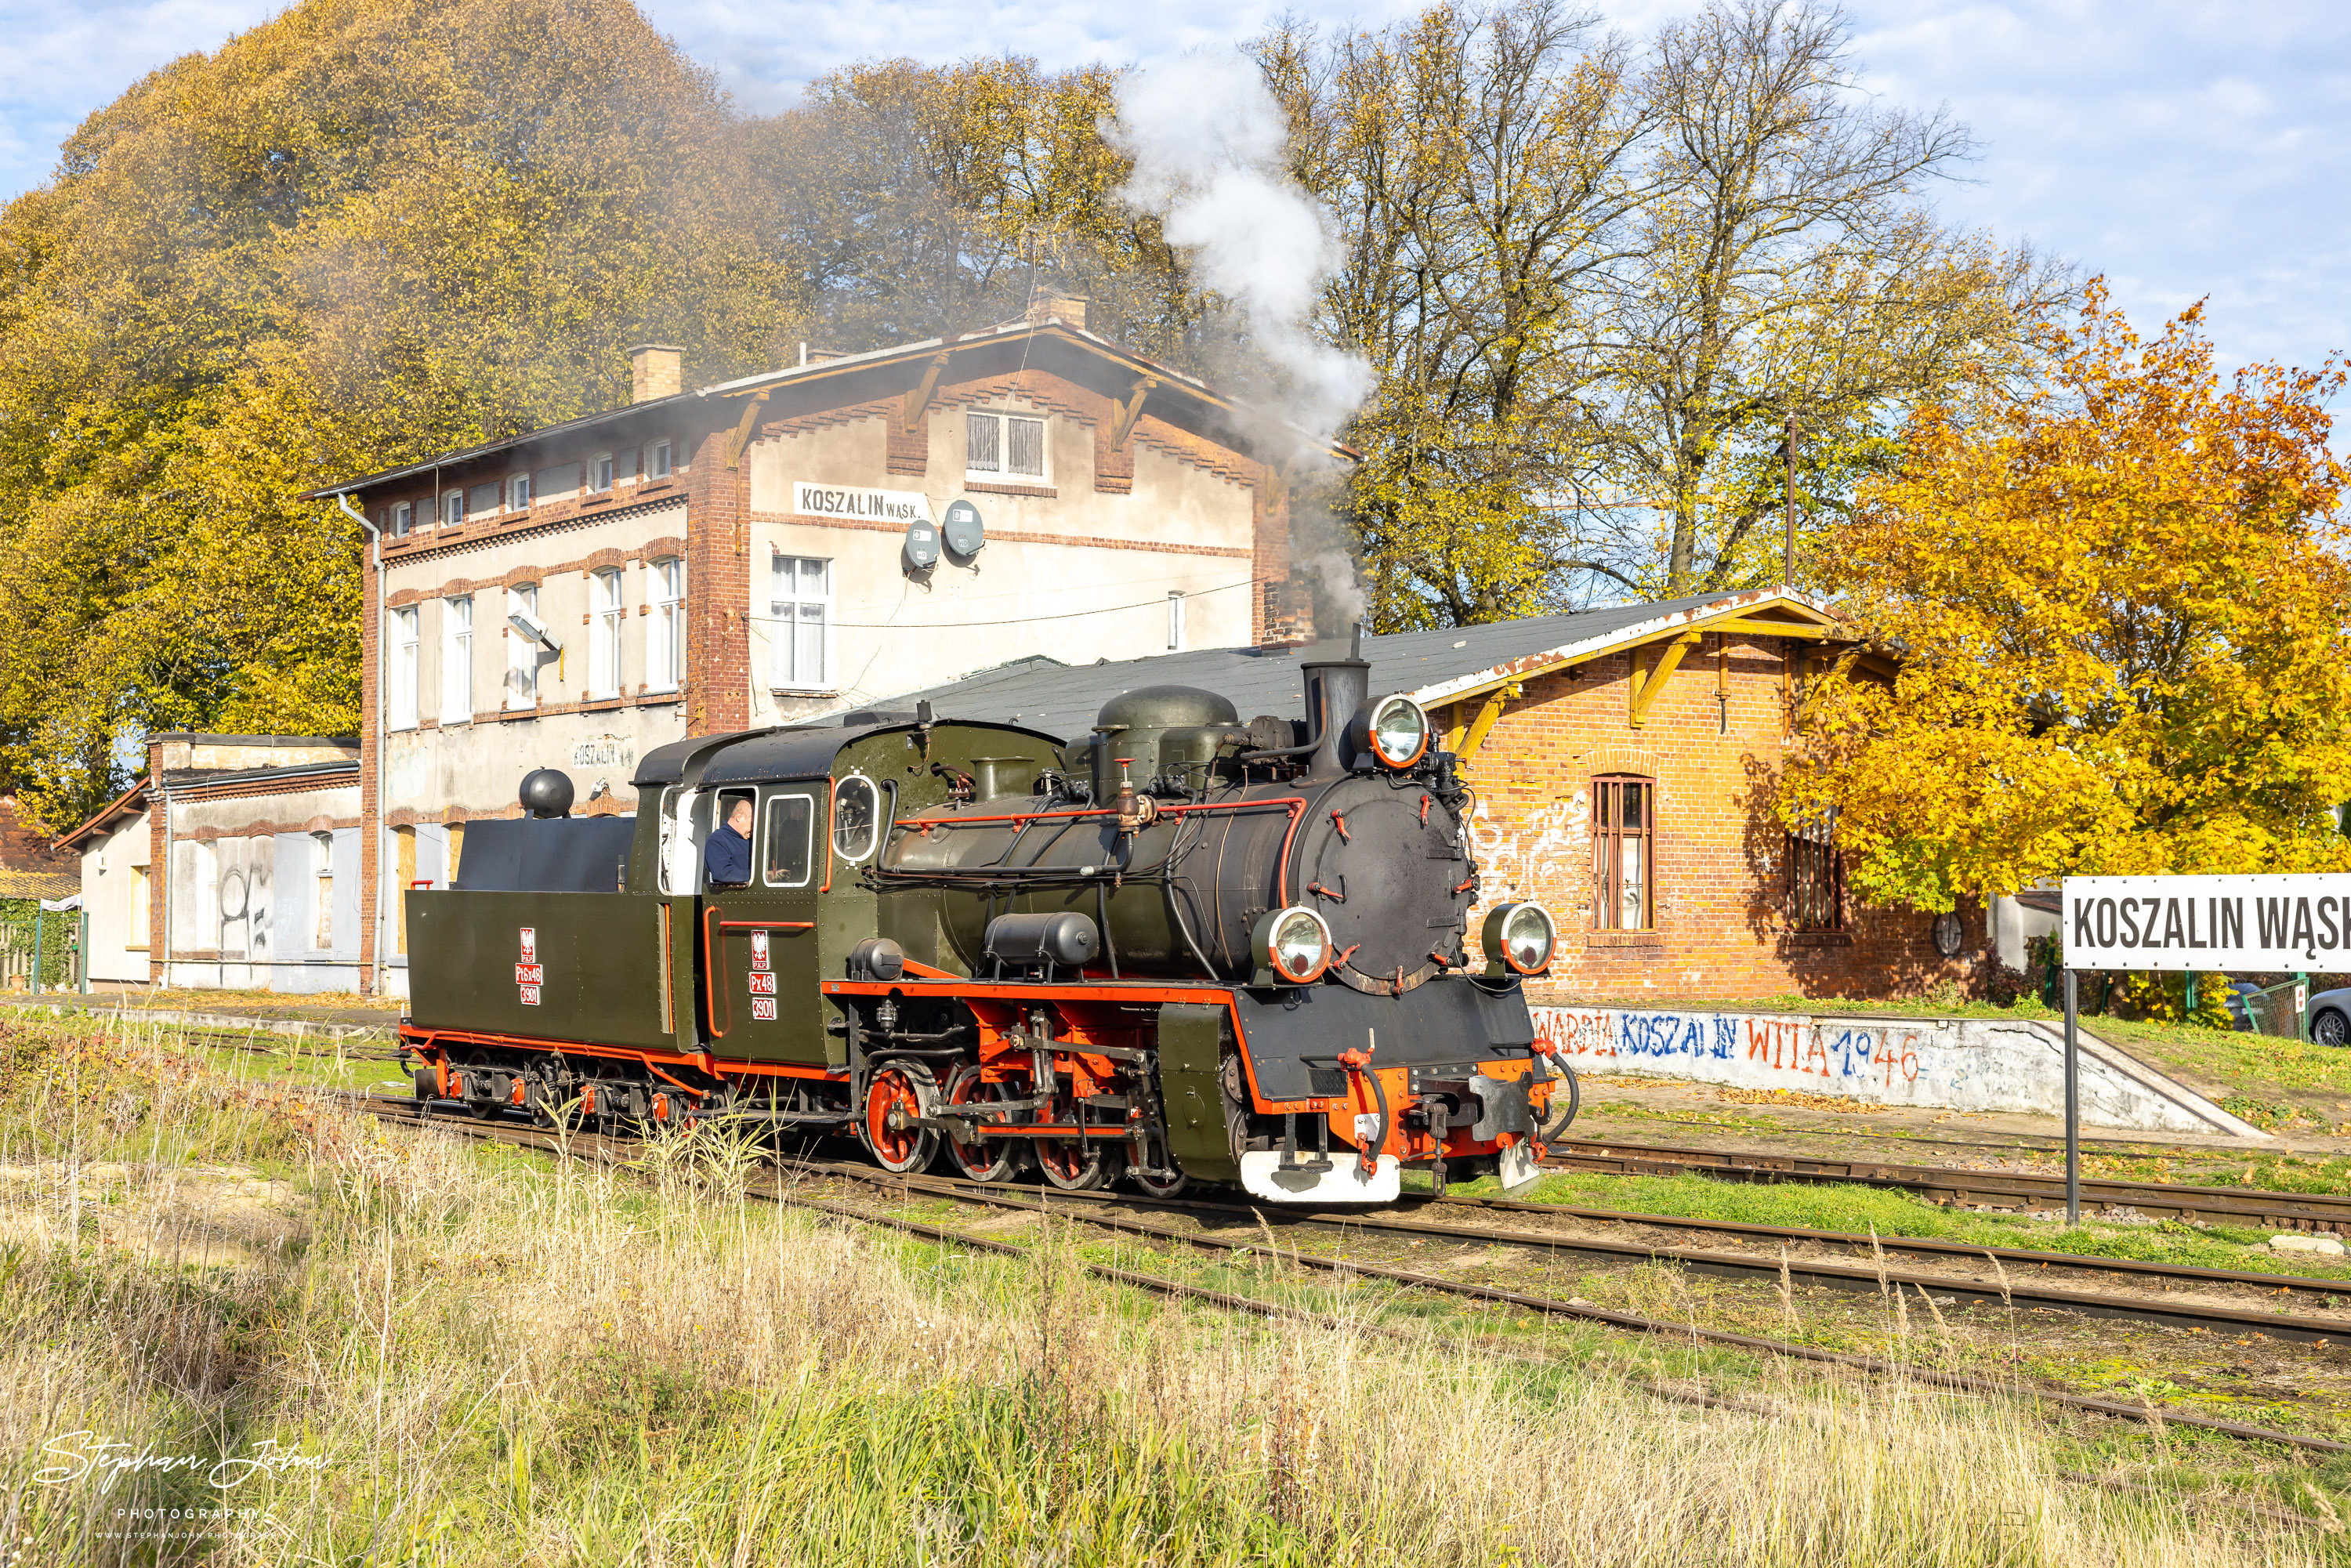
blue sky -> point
(2184, 150)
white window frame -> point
(452, 509)
(401, 670)
(761, 850)
(607, 607)
(322, 893)
(457, 659)
(402, 519)
(666, 590)
(1002, 474)
(786, 616)
(1175, 621)
(600, 474)
(522, 656)
(519, 492)
(657, 460)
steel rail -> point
(2280, 1211)
(1545, 1306)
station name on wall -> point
(2232, 923)
(860, 505)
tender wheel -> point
(1001, 1159)
(895, 1095)
(1145, 1153)
(1081, 1165)
(2330, 1028)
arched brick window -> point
(1624, 844)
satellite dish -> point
(922, 545)
(964, 532)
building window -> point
(519, 492)
(552, 484)
(1624, 842)
(323, 891)
(400, 672)
(665, 630)
(522, 652)
(403, 519)
(604, 635)
(624, 466)
(452, 509)
(1004, 446)
(657, 460)
(482, 500)
(800, 611)
(1175, 622)
(600, 473)
(1815, 879)
(457, 660)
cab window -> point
(790, 837)
(856, 818)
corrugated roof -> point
(50, 884)
(1435, 666)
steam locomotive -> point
(1180, 948)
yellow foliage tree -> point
(2119, 598)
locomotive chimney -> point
(1335, 688)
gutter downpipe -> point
(375, 543)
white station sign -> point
(2274, 923)
(899, 507)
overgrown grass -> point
(480, 1359)
(1856, 1209)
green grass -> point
(1856, 1209)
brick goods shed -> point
(1623, 761)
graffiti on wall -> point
(1821, 1056)
(1536, 851)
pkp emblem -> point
(529, 944)
(758, 949)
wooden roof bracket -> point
(742, 436)
(910, 413)
(1464, 747)
(1129, 410)
(1645, 692)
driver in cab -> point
(727, 856)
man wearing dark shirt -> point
(726, 857)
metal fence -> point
(2277, 1009)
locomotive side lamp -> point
(1393, 729)
(1292, 947)
(1518, 939)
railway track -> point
(1114, 1212)
(2255, 1206)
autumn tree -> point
(360, 233)
(2118, 600)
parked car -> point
(2329, 1017)
(2241, 999)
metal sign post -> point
(2072, 1102)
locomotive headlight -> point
(1519, 938)
(1292, 946)
(1395, 731)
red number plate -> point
(531, 974)
(530, 995)
(763, 985)
(763, 1006)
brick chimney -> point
(1051, 305)
(654, 371)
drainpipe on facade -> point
(369, 850)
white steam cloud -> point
(1206, 139)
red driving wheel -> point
(896, 1097)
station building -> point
(784, 546)
(1624, 761)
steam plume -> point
(1206, 139)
